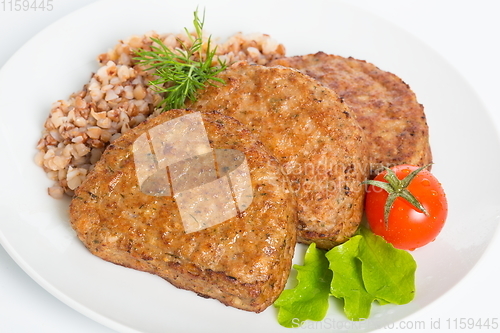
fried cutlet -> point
(195, 199)
(313, 135)
(386, 108)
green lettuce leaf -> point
(347, 282)
(308, 300)
(367, 268)
(388, 273)
(360, 271)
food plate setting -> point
(35, 228)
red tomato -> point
(407, 227)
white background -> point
(466, 33)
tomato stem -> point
(398, 188)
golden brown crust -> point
(243, 262)
(384, 105)
(311, 132)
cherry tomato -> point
(407, 227)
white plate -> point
(59, 60)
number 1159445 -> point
(26, 5)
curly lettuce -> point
(360, 271)
(308, 300)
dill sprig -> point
(183, 71)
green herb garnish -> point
(182, 71)
(365, 269)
